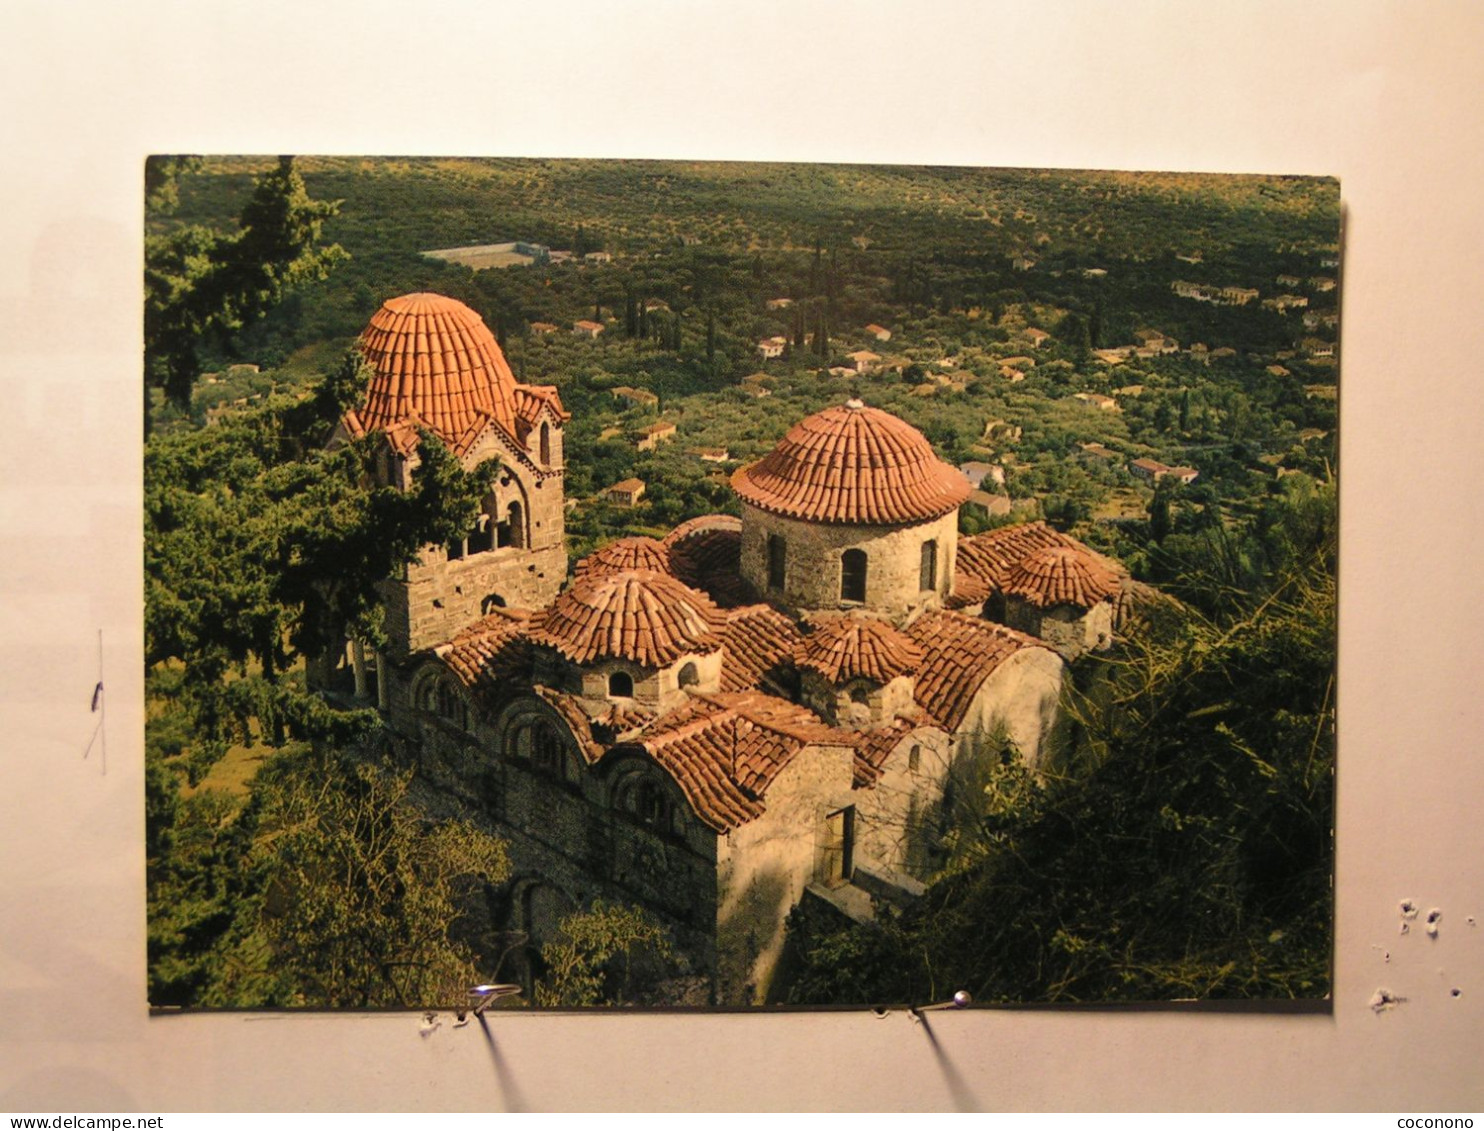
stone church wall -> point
(812, 571)
(765, 865)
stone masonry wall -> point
(812, 563)
(765, 865)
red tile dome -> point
(638, 552)
(438, 366)
(853, 464)
(639, 615)
(1061, 575)
(846, 648)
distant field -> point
(483, 256)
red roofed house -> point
(746, 716)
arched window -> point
(928, 574)
(491, 602)
(689, 676)
(512, 532)
(545, 443)
(621, 685)
(853, 575)
(482, 537)
(860, 693)
(535, 740)
(645, 799)
(777, 556)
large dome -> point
(853, 464)
(437, 365)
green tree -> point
(203, 284)
(262, 547)
(603, 956)
(355, 893)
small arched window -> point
(928, 574)
(621, 685)
(853, 575)
(646, 800)
(535, 740)
(777, 557)
(689, 676)
(860, 693)
(545, 443)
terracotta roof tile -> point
(967, 590)
(531, 399)
(569, 708)
(639, 552)
(724, 751)
(991, 555)
(959, 654)
(758, 639)
(435, 358)
(490, 653)
(873, 746)
(852, 464)
(1061, 575)
(852, 647)
(646, 617)
(709, 558)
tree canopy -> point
(201, 284)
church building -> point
(719, 726)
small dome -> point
(639, 552)
(853, 464)
(438, 365)
(1061, 575)
(639, 615)
(846, 648)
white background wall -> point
(1385, 96)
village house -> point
(626, 492)
(880, 333)
(1036, 337)
(598, 257)
(742, 718)
(864, 360)
(586, 328)
(653, 435)
(757, 385)
(772, 347)
(543, 328)
(1097, 400)
(1152, 471)
(779, 303)
(642, 398)
(977, 471)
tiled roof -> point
(959, 654)
(703, 522)
(642, 616)
(850, 647)
(1061, 575)
(852, 464)
(435, 362)
(725, 750)
(639, 552)
(531, 399)
(967, 590)
(991, 555)
(709, 558)
(758, 639)
(569, 708)
(489, 653)
(873, 746)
